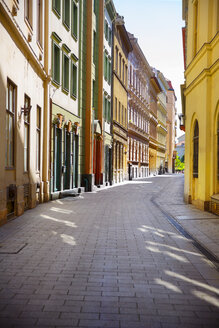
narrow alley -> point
(107, 259)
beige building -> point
(23, 178)
(171, 129)
(162, 122)
(62, 63)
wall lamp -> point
(26, 110)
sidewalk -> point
(202, 226)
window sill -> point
(28, 25)
(10, 168)
(58, 15)
(65, 91)
(56, 84)
(74, 97)
(74, 37)
(66, 26)
(40, 47)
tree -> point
(179, 166)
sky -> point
(157, 24)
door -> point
(57, 158)
(67, 156)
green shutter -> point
(66, 13)
(74, 26)
(56, 63)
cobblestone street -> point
(106, 259)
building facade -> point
(155, 89)
(138, 112)
(95, 93)
(171, 129)
(23, 176)
(121, 47)
(162, 122)
(63, 63)
(201, 99)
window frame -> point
(56, 81)
(56, 9)
(73, 91)
(74, 28)
(65, 88)
(27, 103)
(38, 138)
(10, 150)
(66, 16)
(40, 22)
(28, 13)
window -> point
(105, 108)
(74, 77)
(195, 12)
(26, 134)
(39, 22)
(74, 26)
(38, 133)
(109, 72)
(56, 6)
(115, 113)
(119, 119)
(94, 6)
(105, 66)
(94, 45)
(93, 94)
(120, 66)
(66, 13)
(106, 30)
(29, 11)
(116, 60)
(123, 71)
(110, 37)
(109, 112)
(56, 63)
(65, 73)
(195, 150)
(10, 116)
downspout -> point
(112, 102)
(46, 134)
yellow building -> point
(121, 48)
(201, 102)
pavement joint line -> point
(179, 228)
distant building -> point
(162, 122)
(180, 146)
(140, 74)
(171, 128)
(121, 48)
(200, 103)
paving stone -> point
(129, 266)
